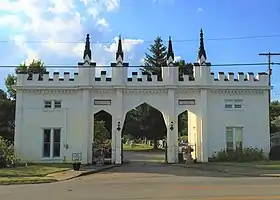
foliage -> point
(274, 153)
(7, 153)
(184, 68)
(145, 121)
(101, 135)
(154, 62)
(36, 66)
(107, 120)
(7, 116)
(245, 155)
(7, 101)
(183, 123)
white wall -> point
(36, 118)
(253, 118)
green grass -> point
(33, 173)
(139, 147)
(267, 165)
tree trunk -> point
(155, 143)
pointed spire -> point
(201, 51)
(87, 51)
(170, 52)
(120, 50)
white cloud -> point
(102, 24)
(59, 23)
(177, 58)
(200, 10)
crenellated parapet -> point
(86, 76)
(240, 78)
(45, 79)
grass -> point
(33, 173)
(265, 165)
(139, 147)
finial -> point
(170, 52)
(87, 50)
(120, 50)
(201, 51)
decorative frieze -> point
(145, 92)
(50, 91)
(232, 92)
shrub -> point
(244, 155)
(7, 153)
(274, 153)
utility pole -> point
(269, 72)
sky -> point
(54, 31)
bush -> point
(274, 153)
(7, 153)
(245, 155)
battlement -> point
(138, 79)
(57, 79)
(240, 78)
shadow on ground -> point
(153, 163)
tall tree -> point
(157, 59)
(36, 66)
(152, 123)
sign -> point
(186, 101)
(76, 156)
(102, 102)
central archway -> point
(144, 135)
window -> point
(47, 143)
(48, 104)
(234, 137)
(57, 104)
(52, 104)
(51, 143)
(233, 103)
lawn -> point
(33, 173)
(263, 165)
(139, 147)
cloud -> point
(200, 10)
(60, 23)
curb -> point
(97, 170)
(229, 173)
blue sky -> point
(139, 22)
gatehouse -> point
(54, 114)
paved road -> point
(149, 181)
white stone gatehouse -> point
(54, 115)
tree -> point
(184, 68)
(7, 101)
(152, 123)
(101, 134)
(154, 62)
(7, 116)
(35, 67)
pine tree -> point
(157, 58)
